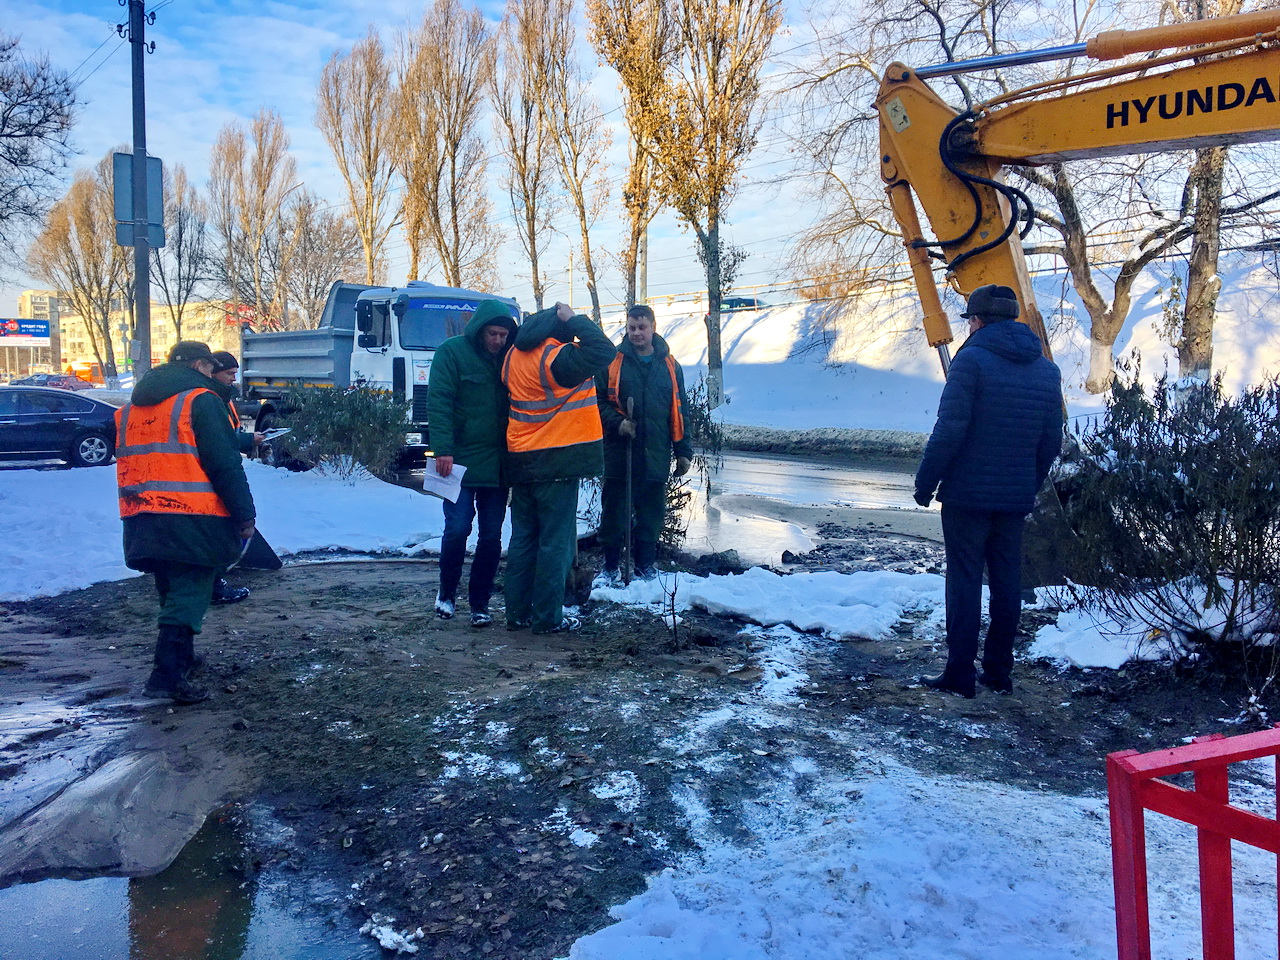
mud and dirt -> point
(498, 791)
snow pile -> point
(843, 605)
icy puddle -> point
(205, 906)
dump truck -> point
(378, 337)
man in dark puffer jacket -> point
(999, 429)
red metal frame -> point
(1134, 787)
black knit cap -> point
(991, 303)
(184, 351)
(223, 360)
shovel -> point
(626, 541)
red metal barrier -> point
(1134, 787)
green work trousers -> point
(544, 540)
(185, 591)
(649, 507)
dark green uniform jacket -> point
(244, 441)
(584, 360)
(154, 539)
(649, 384)
(467, 402)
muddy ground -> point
(498, 790)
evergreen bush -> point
(347, 429)
(1175, 497)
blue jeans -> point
(489, 504)
(976, 539)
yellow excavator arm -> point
(950, 162)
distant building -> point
(21, 361)
(214, 321)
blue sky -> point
(219, 62)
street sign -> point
(122, 170)
(20, 332)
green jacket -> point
(244, 441)
(153, 539)
(591, 352)
(467, 401)
(649, 385)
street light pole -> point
(141, 240)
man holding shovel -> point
(642, 407)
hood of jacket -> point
(538, 326)
(489, 313)
(1009, 339)
(660, 348)
(162, 382)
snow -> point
(886, 862)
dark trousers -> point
(489, 506)
(649, 507)
(544, 540)
(974, 539)
(185, 591)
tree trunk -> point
(710, 240)
(1195, 346)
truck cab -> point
(381, 337)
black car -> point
(41, 423)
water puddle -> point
(208, 905)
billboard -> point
(20, 332)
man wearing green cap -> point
(467, 414)
(184, 500)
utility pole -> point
(136, 32)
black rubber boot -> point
(171, 663)
(190, 661)
(224, 593)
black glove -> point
(923, 497)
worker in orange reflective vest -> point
(185, 503)
(553, 442)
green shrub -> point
(345, 428)
(1176, 503)
(707, 437)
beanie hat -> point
(223, 361)
(991, 303)
(184, 351)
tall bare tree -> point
(636, 40)
(251, 175)
(579, 133)
(324, 247)
(355, 112)
(519, 90)
(37, 109)
(76, 253)
(445, 65)
(713, 90)
(182, 266)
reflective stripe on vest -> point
(158, 467)
(544, 415)
(677, 417)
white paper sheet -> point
(448, 487)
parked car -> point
(43, 423)
(731, 304)
(61, 381)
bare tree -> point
(182, 266)
(636, 40)
(519, 90)
(1128, 212)
(37, 108)
(250, 177)
(580, 136)
(445, 65)
(354, 111)
(324, 247)
(714, 95)
(76, 253)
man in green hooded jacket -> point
(184, 501)
(467, 413)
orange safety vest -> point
(677, 418)
(234, 416)
(544, 415)
(158, 467)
